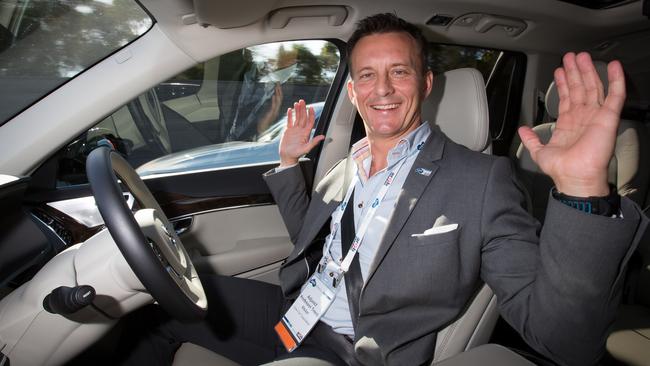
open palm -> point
(295, 140)
(582, 144)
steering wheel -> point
(146, 239)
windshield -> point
(45, 43)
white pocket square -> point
(441, 226)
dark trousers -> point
(239, 326)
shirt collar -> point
(409, 144)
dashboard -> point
(42, 249)
(24, 246)
(33, 233)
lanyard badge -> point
(315, 298)
(313, 301)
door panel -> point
(238, 241)
(236, 228)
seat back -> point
(628, 169)
(458, 106)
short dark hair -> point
(388, 23)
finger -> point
(576, 85)
(296, 114)
(311, 116)
(314, 141)
(531, 141)
(562, 91)
(616, 92)
(289, 117)
(593, 85)
(301, 114)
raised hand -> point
(582, 144)
(272, 114)
(295, 140)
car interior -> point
(183, 101)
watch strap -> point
(606, 205)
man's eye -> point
(400, 72)
(365, 76)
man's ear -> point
(351, 94)
(428, 83)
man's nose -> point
(384, 86)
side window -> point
(503, 73)
(228, 111)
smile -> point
(384, 107)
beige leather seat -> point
(458, 106)
(629, 341)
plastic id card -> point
(302, 316)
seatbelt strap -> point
(353, 279)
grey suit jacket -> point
(559, 289)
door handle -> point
(182, 225)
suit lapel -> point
(318, 214)
(411, 192)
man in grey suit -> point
(428, 221)
(559, 290)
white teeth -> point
(385, 106)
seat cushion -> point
(629, 341)
(190, 354)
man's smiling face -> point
(388, 84)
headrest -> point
(458, 105)
(552, 99)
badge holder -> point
(314, 300)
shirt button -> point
(360, 205)
(331, 274)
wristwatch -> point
(609, 205)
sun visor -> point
(229, 14)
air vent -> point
(64, 234)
